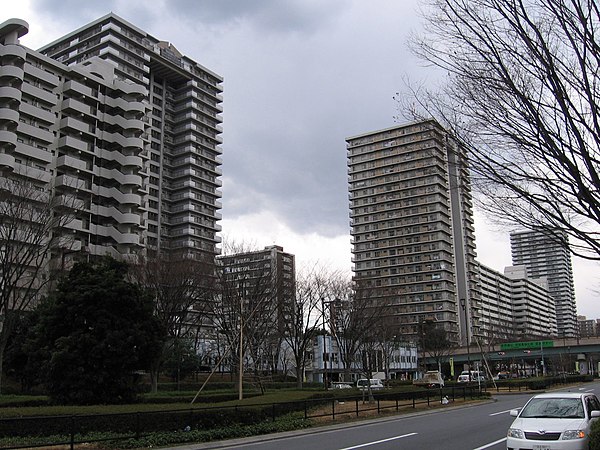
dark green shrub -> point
(595, 436)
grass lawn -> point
(180, 400)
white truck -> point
(431, 379)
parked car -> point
(340, 385)
(554, 421)
(363, 384)
(475, 376)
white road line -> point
(379, 442)
(501, 412)
(491, 444)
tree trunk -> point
(299, 377)
(154, 373)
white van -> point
(363, 384)
(475, 376)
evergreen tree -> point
(97, 330)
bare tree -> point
(31, 220)
(522, 97)
(182, 288)
(435, 342)
(388, 343)
(355, 316)
(312, 287)
(245, 311)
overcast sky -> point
(300, 77)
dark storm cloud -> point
(300, 76)
(268, 15)
(73, 14)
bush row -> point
(142, 422)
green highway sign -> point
(526, 345)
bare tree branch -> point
(32, 221)
(522, 97)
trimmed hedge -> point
(595, 436)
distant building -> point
(547, 256)
(411, 221)
(533, 311)
(267, 275)
(496, 311)
(588, 327)
(393, 361)
(514, 307)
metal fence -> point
(45, 431)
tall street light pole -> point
(463, 304)
(324, 345)
(241, 352)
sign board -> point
(526, 345)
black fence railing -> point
(72, 430)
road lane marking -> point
(491, 444)
(501, 412)
(379, 442)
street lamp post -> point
(463, 304)
(324, 345)
(241, 353)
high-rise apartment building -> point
(412, 227)
(547, 256)
(264, 281)
(588, 327)
(125, 123)
(496, 306)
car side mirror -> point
(515, 412)
(595, 414)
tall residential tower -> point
(180, 145)
(547, 256)
(412, 227)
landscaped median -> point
(151, 425)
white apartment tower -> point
(547, 256)
(412, 227)
(123, 121)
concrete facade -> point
(547, 256)
(412, 227)
(128, 124)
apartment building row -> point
(514, 307)
(546, 257)
(130, 128)
(413, 244)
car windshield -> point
(561, 408)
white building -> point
(514, 307)
(547, 256)
(125, 123)
(394, 360)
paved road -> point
(477, 427)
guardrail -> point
(72, 430)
